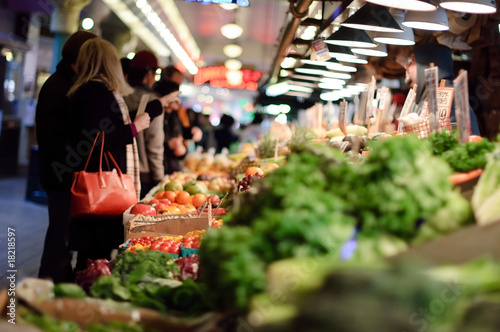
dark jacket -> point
(93, 108)
(173, 128)
(52, 128)
(440, 56)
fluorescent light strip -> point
(298, 94)
(300, 88)
(329, 86)
(332, 81)
(341, 67)
(352, 59)
(137, 27)
(169, 38)
(320, 72)
(174, 16)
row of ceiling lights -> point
(350, 42)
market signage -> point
(217, 77)
(241, 3)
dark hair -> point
(169, 71)
(226, 120)
(72, 46)
(136, 74)
(164, 87)
(125, 65)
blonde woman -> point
(96, 104)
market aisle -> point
(30, 220)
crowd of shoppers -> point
(92, 91)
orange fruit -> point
(170, 195)
(475, 138)
(183, 197)
(170, 210)
(271, 166)
(159, 195)
(252, 170)
(198, 200)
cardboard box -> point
(166, 225)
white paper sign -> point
(410, 100)
(369, 99)
(431, 82)
(142, 104)
(444, 100)
(462, 106)
(342, 116)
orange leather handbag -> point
(104, 194)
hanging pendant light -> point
(358, 59)
(336, 50)
(333, 64)
(350, 37)
(470, 6)
(434, 21)
(232, 50)
(233, 64)
(405, 38)
(231, 30)
(379, 51)
(372, 17)
(417, 5)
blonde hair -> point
(98, 60)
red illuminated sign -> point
(217, 77)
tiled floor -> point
(30, 221)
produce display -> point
(318, 203)
(322, 223)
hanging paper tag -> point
(431, 82)
(342, 116)
(319, 51)
(462, 107)
(410, 100)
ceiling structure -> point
(271, 29)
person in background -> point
(208, 139)
(224, 135)
(96, 104)
(174, 148)
(254, 131)
(190, 130)
(125, 62)
(416, 63)
(172, 74)
(53, 136)
(141, 77)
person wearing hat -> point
(53, 136)
(141, 77)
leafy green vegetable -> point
(69, 290)
(487, 192)
(49, 324)
(469, 156)
(442, 141)
(131, 267)
(230, 269)
(114, 327)
(110, 287)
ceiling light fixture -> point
(379, 51)
(333, 64)
(417, 5)
(298, 94)
(358, 59)
(233, 64)
(288, 62)
(231, 30)
(351, 38)
(329, 96)
(232, 50)
(337, 50)
(333, 81)
(306, 77)
(330, 86)
(311, 70)
(470, 6)
(405, 38)
(228, 6)
(434, 21)
(372, 17)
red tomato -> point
(165, 201)
(164, 248)
(176, 251)
(155, 246)
(475, 138)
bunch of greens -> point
(487, 193)
(461, 157)
(442, 141)
(47, 323)
(145, 279)
(469, 156)
(313, 204)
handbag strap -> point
(92, 150)
(117, 169)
